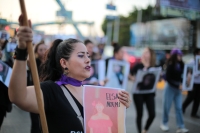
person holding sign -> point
(5, 104)
(147, 61)
(67, 64)
(172, 92)
(194, 94)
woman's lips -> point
(87, 68)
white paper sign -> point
(188, 77)
(117, 74)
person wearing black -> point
(5, 104)
(194, 94)
(172, 92)
(68, 59)
(147, 61)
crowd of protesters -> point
(173, 68)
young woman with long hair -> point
(147, 61)
(172, 92)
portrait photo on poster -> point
(5, 73)
(146, 81)
(97, 71)
(103, 112)
(188, 77)
(197, 64)
(117, 74)
(4, 35)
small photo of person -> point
(3, 35)
(3, 71)
(188, 76)
(199, 64)
(119, 73)
(147, 83)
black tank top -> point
(61, 118)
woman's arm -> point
(19, 93)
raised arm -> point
(19, 93)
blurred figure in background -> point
(194, 95)
(118, 54)
(39, 51)
(172, 92)
(5, 104)
(148, 60)
(90, 46)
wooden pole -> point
(34, 72)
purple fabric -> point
(176, 51)
(64, 80)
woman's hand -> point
(24, 34)
(124, 98)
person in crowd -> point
(90, 46)
(172, 92)
(39, 51)
(194, 94)
(118, 54)
(117, 75)
(147, 61)
(6, 56)
(67, 64)
(5, 104)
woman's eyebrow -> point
(83, 52)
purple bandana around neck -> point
(67, 80)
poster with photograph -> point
(97, 73)
(197, 65)
(103, 113)
(188, 77)
(5, 73)
(4, 35)
(146, 80)
(117, 74)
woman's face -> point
(99, 107)
(1, 67)
(90, 47)
(120, 54)
(179, 57)
(41, 50)
(146, 54)
(79, 63)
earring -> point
(66, 71)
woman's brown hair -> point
(37, 46)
